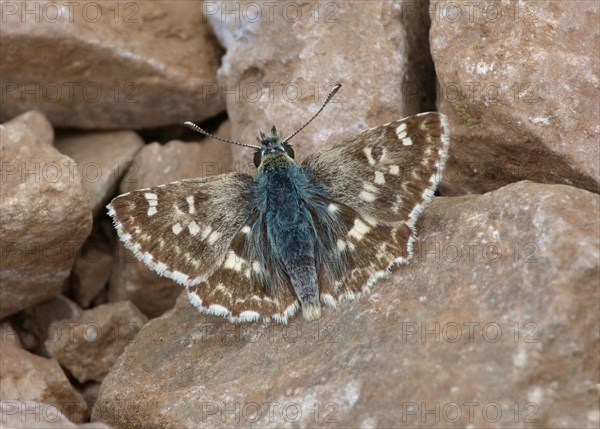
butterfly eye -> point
(257, 158)
(289, 150)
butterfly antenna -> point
(196, 128)
(327, 100)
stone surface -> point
(98, 65)
(157, 164)
(9, 336)
(27, 377)
(519, 83)
(44, 320)
(311, 46)
(39, 125)
(92, 269)
(89, 345)
(36, 415)
(102, 160)
(494, 323)
(44, 215)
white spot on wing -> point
(190, 201)
(176, 229)
(401, 131)
(233, 262)
(369, 155)
(379, 178)
(333, 208)
(367, 196)
(359, 229)
(341, 244)
(246, 230)
(152, 211)
(395, 170)
(407, 141)
(193, 228)
(150, 196)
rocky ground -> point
(494, 323)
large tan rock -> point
(494, 323)
(100, 65)
(519, 83)
(27, 377)
(102, 160)
(44, 214)
(88, 345)
(283, 58)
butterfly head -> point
(272, 147)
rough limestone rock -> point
(91, 343)
(92, 269)
(44, 320)
(311, 46)
(99, 65)
(157, 164)
(494, 323)
(102, 160)
(9, 336)
(27, 377)
(44, 215)
(519, 83)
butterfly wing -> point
(203, 234)
(378, 183)
(241, 288)
(183, 230)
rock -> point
(44, 216)
(90, 393)
(36, 415)
(9, 336)
(519, 83)
(492, 324)
(155, 65)
(157, 164)
(39, 125)
(90, 344)
(102, 160)
(314, 45)
(44, 320)
(27, 377)
(92, 269)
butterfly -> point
(294, 236)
